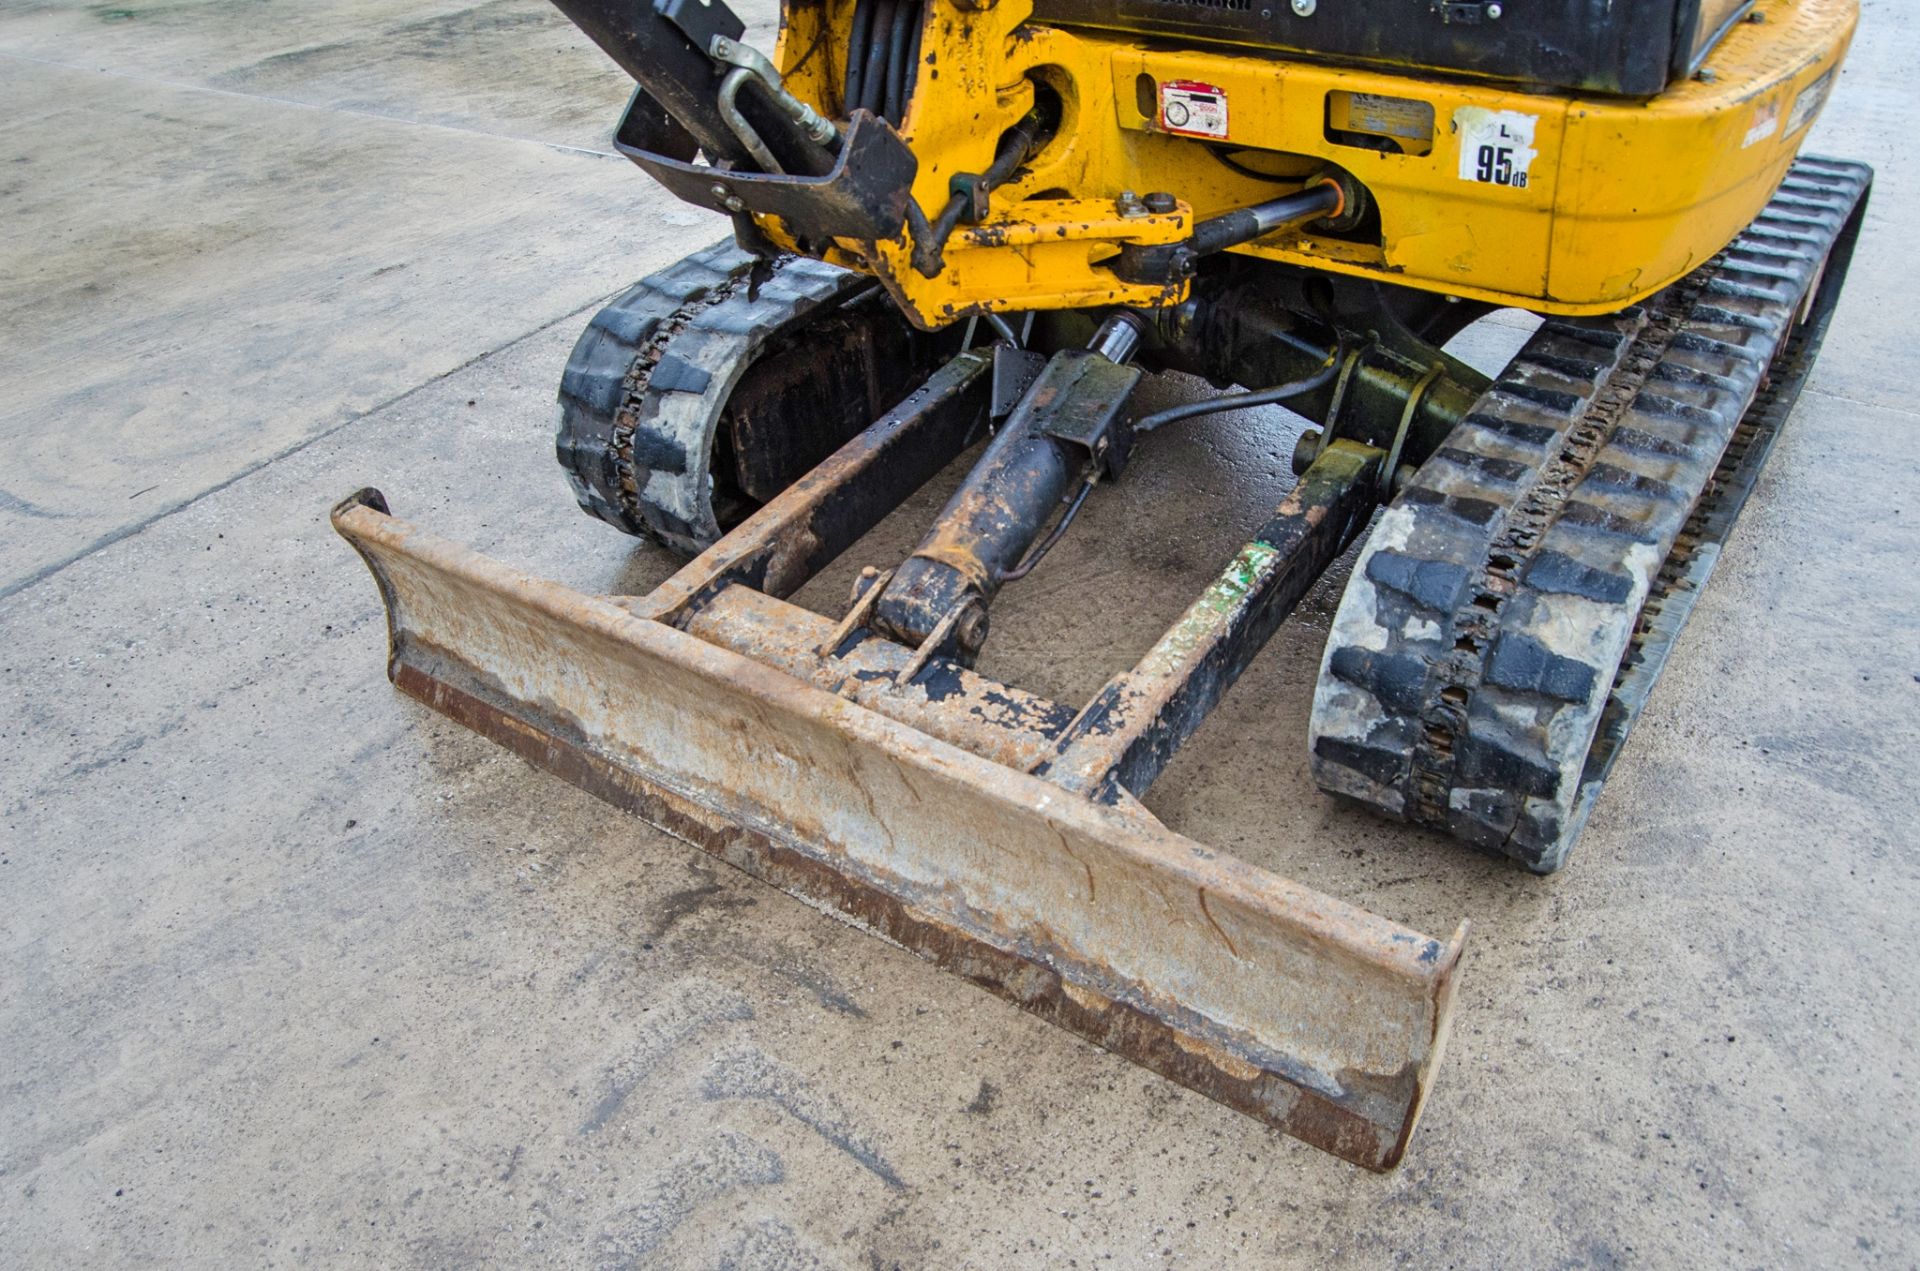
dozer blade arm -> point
(1314, 1016)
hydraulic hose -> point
(1016, 144)
(1240, 401)
(858, 40)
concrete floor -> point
(300, 973)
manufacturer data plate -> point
(1808, 104)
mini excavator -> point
(963, 233)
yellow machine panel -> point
(1550, 202)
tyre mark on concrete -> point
(717, 1165)
(694, 1007)
(771, 1245)
(748, 1074)
(677, 907)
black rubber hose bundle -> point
(883, 55)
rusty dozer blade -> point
(900, 791)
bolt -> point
(1304, 8)
(1129, 205)
(1706, 75)
(726, 198)
(1160, 202)
(722, 46)
(1494, 11)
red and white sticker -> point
(1193, 109)
(1766, 122)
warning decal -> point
(1766, 122)
(1496, 146)
(1193, 109)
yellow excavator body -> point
(1547, 201)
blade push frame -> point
(985, 828)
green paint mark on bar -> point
(1205, 615)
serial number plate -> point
(1808, 104)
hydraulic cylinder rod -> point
(1243, 225)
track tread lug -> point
(1642, 430)
(1557, 573)
(1436, 585)
(1523, 663)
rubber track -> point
(647, 381)
(1493, 617)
